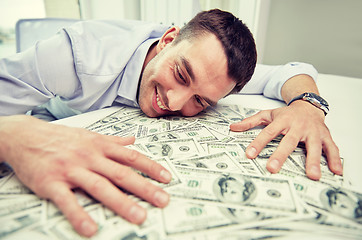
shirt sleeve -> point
(269, 80)
(31, 78)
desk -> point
(344, 95)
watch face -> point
(320, 99)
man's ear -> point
(167, 38)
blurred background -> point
(325, 33)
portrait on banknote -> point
(234, 189)
(342, 202)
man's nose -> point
(177, 98)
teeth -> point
(160, 104)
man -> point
(95, 64)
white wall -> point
(325, 33)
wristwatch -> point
(314, 99)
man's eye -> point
(178, 72)
(198, 100)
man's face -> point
(184, 78)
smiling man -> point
(97, 64)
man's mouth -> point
(158, 104)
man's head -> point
(192, 68)
(235, 37)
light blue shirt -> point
(96, 64)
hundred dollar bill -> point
(174, 148)
(156, 127)
(199, 133)
(221, 127)
(236, 151)
(13, 204)
(243, 111)
(333, 199)
(165, 162)
(326, 222)
(121, 115)
(321, 225)
(12, 185)
(118, 129)
(218, 161)
(178, 121)
(227, 112)
(20, 222)
(196, 216)
(236, 190)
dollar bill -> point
(199, 133)
(236, 190)
(201, 216)
(13, 204)
(174, 148)
(221, 161)
(165, 162)
(334, 199)
(237, 152)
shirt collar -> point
(127, 91)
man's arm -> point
(299, 122)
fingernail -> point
(251, 152)
(88, 228)
(274, 165)
(137, 214)
(161, 198)
(165, 175)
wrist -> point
(306, 107)
(313, 99)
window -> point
(10, 12)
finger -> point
(263, 138)
(66, 201)
(286, 146)
(133, 182)
(314, 153)
(332, 152)
(138, 161)
(104, 191)
(261, 118)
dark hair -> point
(235, 37)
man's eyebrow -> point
(189, 71)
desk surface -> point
(344, 97)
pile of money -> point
(216, 192)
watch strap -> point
(313, 99)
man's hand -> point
(299, 122)
(52, 159)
